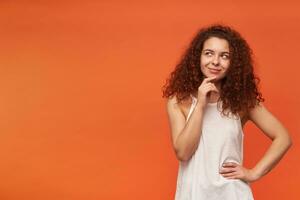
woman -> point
(211, 94)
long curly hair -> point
(239, 92)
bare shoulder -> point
(253, 114)
(172, 105)
(259, 112)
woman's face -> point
(215, 56)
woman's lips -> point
(214, 71)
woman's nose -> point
(215, 60)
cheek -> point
(203, 61)
(225, 70)
(225, 65)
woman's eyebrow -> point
(213, 51)
(207, 50)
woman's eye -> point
(208, 53)
(225, 56)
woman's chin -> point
(211, 75)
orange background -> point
(81, 110)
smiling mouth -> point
(214, 70)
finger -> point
(227, 170)
(230, 175)
(235, 176)
(206, 80)
(229, 164)
(208, 88)
(211, 87)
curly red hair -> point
(239, 92)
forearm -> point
(272, 156)
(188, 140)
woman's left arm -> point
(281, 142)
(272, 128)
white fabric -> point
(221, 141)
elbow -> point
(289, 142)
(286, 142)
(182, 156)
(183, 152)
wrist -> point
(255, 173)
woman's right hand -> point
(204, 89)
